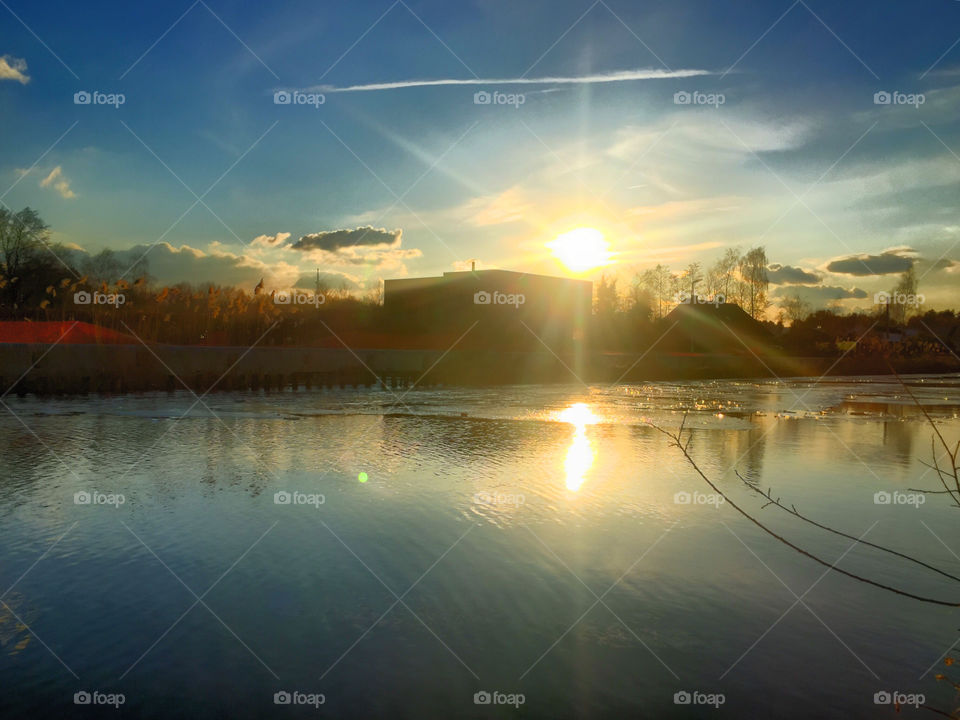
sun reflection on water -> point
(580, 455)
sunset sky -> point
(843, 192)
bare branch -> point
(830, 566)
(792, 510)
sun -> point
(581, 249)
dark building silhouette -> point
(510, 309)
(714, 328)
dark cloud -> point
(333, 240)
(888, 262)
(821, 294)
(783, 274)
(944, 264)
(169, 265)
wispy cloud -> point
(618, 76)
(269, 241)
(59, 182)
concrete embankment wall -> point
(81, 368)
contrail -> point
(618, 76)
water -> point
(521, 540)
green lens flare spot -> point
(362, 477)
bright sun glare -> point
(580, 454)
(581, 249)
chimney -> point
(473, 266)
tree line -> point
(736, 277)
(41, 280)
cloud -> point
(376, 249)
(784, 274)
(820, 294)
(888, 262)
(59, 182)
(511, 205)
(675, 253)
(377, 258)
(617, 76)
(676, 209)
(334, 240)
(12, 68)
(169, 265)
(270, 240)
(696, 138)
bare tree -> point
(753, 270)
(722, 276)
(692, 276)
(902, 296)
(795, 308)
(658, 281)
(22, 238)
(607, 300)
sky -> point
(677, 129)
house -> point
(706, 327)
(509, 308)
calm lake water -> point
(528, 541)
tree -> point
(103, 267)
(753, 271)
(722, 276)
(658, 281)
(903, 296)
(691, 277)
(638, 300)
(607, 300)
(22, 238)
(794, 308)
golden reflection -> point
(580, 454)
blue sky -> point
(798, 157)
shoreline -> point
(78, 369)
